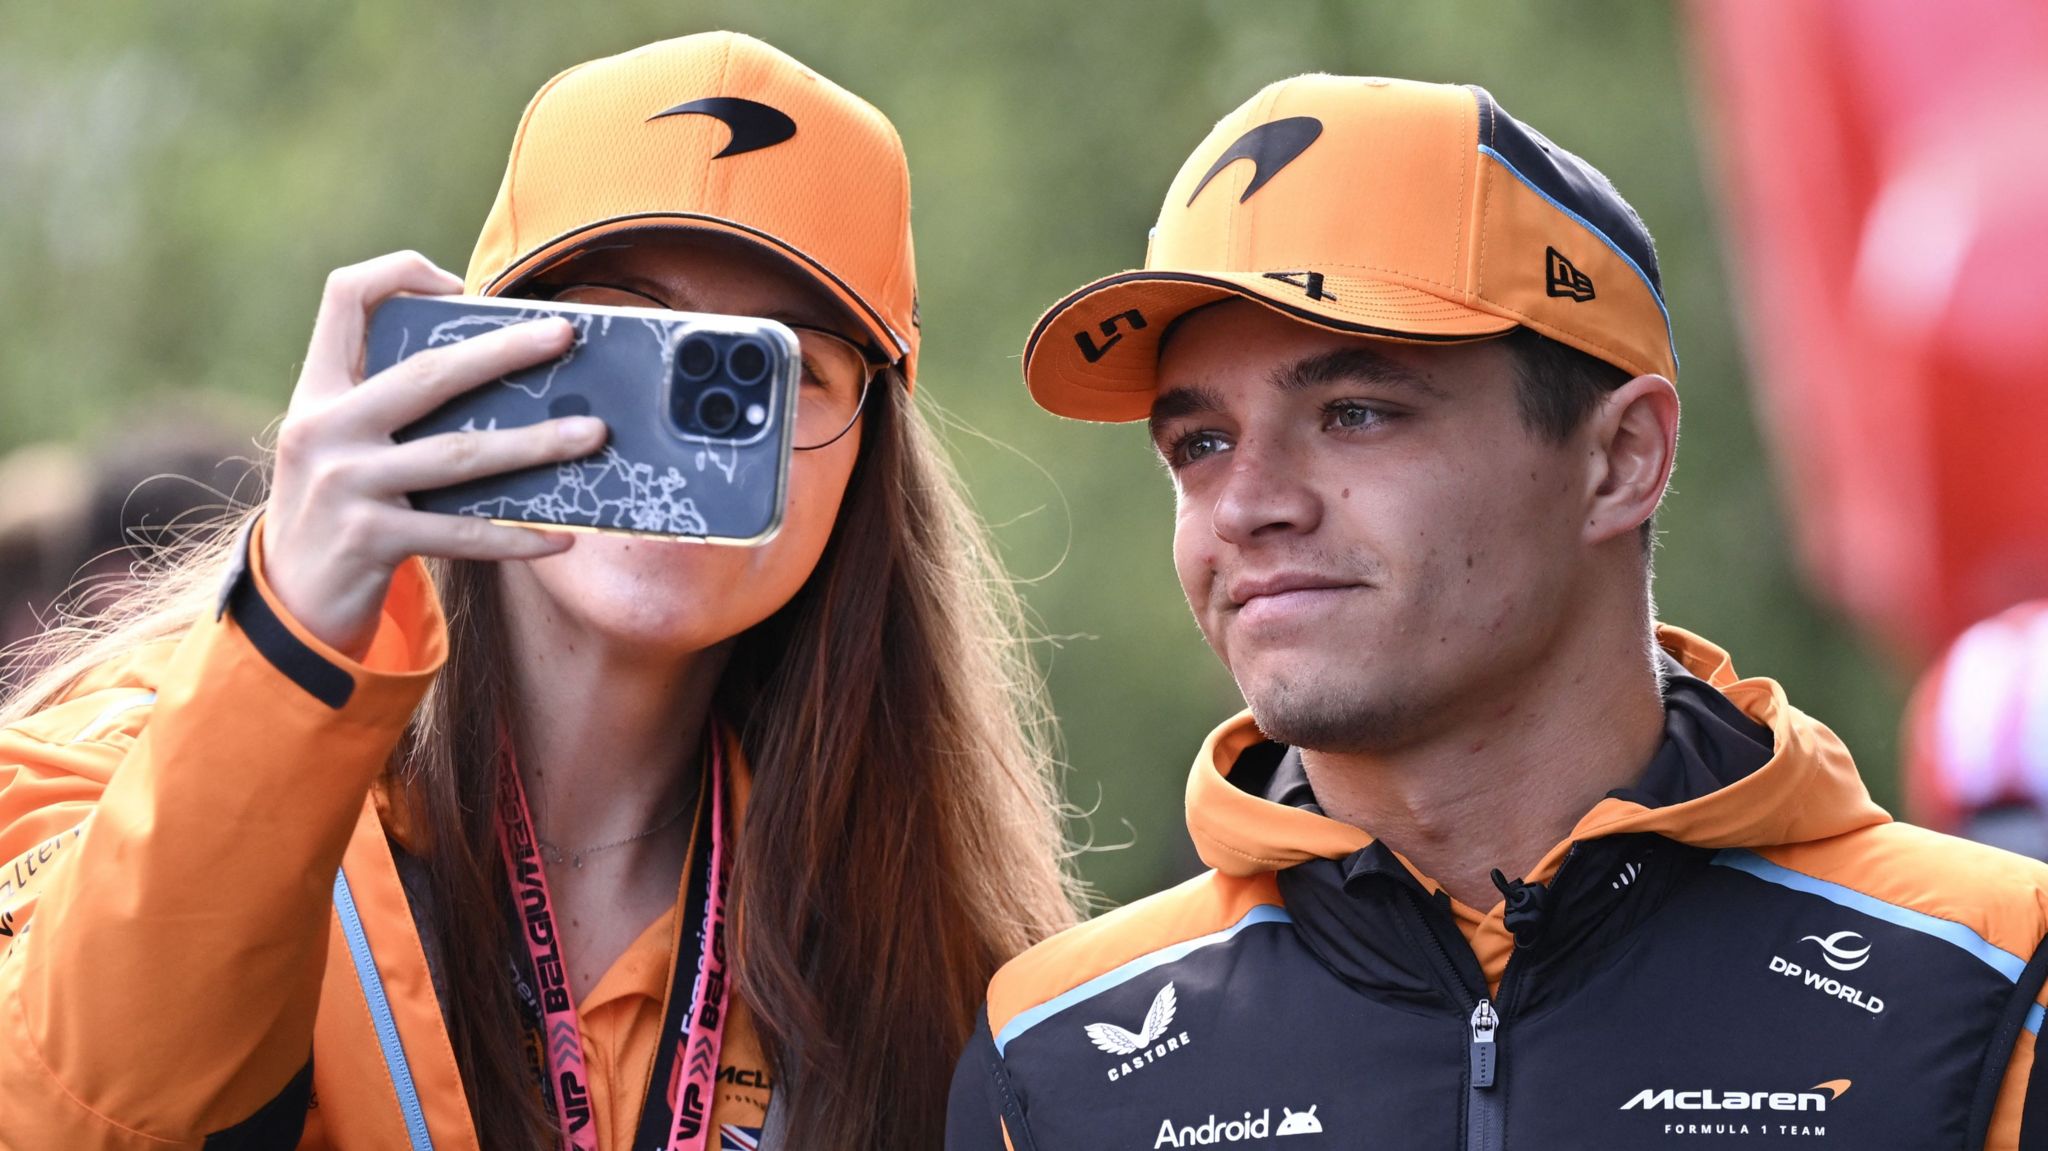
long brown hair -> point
(903, 835)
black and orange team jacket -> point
(204, 936)
(1742, 950)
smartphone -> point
(700, 410)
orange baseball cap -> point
(1389, 208)
(719, 132)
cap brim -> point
(538, 259)
(1094, 355)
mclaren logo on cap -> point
(1270, 147)
(754, 125)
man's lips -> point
(1286, 597)
(1242, 591)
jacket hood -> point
(1807, 790)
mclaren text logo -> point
(1741, 1112)
(1815, 1098)
(1844, 950)
(1214, 1132)
(1148, 1043)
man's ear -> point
(1631, 440)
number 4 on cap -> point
(1310, 282)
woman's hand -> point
(338, 524)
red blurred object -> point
(1976, 734)
(1887, 164)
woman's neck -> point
(608, 736)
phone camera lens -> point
(697, 358)
(747, 362)
(717, 411)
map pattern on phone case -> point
(653, 475)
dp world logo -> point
(1844, 950)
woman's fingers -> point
(337, 521)
(467, 538)
(418, 384)
(453, 457)
(334, 357)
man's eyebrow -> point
(1360, 364)
(1334, 366)
(1180, 402)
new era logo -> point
(1565, 280)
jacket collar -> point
(1806, 790)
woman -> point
(552, 839)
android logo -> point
(1299, 1123)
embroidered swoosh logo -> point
(754, 125)
(1270, 147)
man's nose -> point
(1264, 493)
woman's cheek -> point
(817, 491)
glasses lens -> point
(835, 378)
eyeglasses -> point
(837, 372)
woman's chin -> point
(645, 596)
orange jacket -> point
(198, 894)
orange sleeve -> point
(170, 841)
(2012, 1093)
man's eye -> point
(1190, 447)
(1350, 414)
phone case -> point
(661, 471)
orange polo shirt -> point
(621, 1020)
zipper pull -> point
(1484, 1050)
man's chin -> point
(1325, 714)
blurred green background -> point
(176, 180)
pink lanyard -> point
(684, 1101)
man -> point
(1409, 367)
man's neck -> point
(1503, 787)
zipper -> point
(1484, 1103)
(1484, 1023)
(1485, 1100)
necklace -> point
(575, 857)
